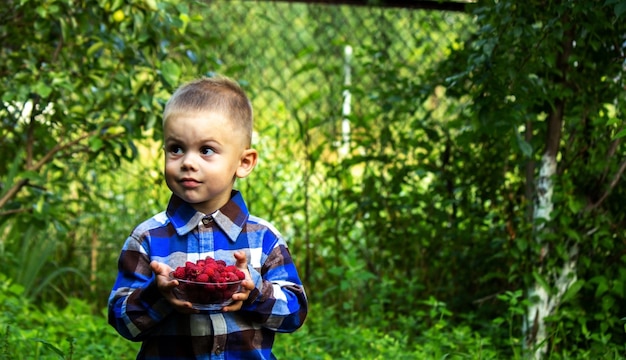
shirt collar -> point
(231, 217)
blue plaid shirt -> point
(139, 312)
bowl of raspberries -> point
(208, 284)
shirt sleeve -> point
(279, 301)
(135, 305)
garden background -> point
(450, 181)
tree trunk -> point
(544, 300)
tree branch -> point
(614, 181)
(58, 147)
(555, 119)
(612, 149)
(14, 211)
(17, 186)
(12, 191)
(57, 50)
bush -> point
(323, 337)
(77, 332)
(47, 332)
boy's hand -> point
(246, 285)
(165, 285)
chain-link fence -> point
(299, 57)
(314, 73)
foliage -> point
(70, 332)
(66, 67)
(416, 243)
(547, 78)
(50, 332)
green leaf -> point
(573, 290)
(65, 31)
(43, 89)
(575, 205)
(170, 72)
(95, 144)
(94, 47)
(542, 281)
(524, 145)
(603, 286)
(41, 11)
(620, 9)
(32, 175)
(572, 234)
(620, 134)
(50, 347)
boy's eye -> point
(175, 149)
(206, 151)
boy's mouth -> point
(189, 182)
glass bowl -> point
(206, 296)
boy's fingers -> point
(184, 306)
(167, 285)
(160, 268)
(233, 307)
(155, 266)
(247, 284)
(242, 259)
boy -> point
(207, 126)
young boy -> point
(207, 126)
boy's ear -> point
(247, 163)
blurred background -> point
(448, 175)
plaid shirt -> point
(139, 312)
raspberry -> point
(216, 276)
(179, 272)
(209, 271)
(230, 277)
(240, 274)
(191, 270)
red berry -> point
(179, 272)
(230, 277)
(209, 271)
(215, 274)
(240, 274)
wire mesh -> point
(294, 54)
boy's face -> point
(204, 154)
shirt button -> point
(207, 220)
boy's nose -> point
(189, 162)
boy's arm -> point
(135, 304)
(278, 301)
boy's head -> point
(207, 129)
(220, 95)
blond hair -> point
(218, 94)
